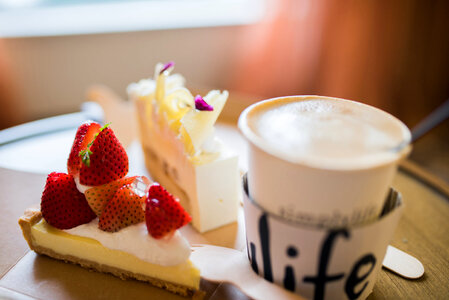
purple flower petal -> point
(200, 104)
(166, 66)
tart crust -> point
(32, 216)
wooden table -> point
(422, 232)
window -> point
(23, 18)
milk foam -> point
(327, 131)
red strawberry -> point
(99, 196)
(124, 209)
(62, 205)
(163, 213)
(104, 160)
(84, 135)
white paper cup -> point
(324, 191)
(319, 263)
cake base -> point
(34, 216)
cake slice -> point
(97, 217)
(182, 279)
(181, 149)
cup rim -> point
(395, 154)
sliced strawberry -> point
(62, 205)
(124, 209)
(84, 135)
(99, 196)
(163, 213)
(103, 161)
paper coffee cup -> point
(322, 161)
(319, 263)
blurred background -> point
(390, 54)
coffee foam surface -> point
(327, 131)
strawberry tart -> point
(181, 149)
(99, 218)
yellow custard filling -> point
(92, 250)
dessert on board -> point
(182, 150)
(98, 217)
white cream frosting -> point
(81, 187)
(147, 86)
(142, 88)
(135, 240)
(212, 144)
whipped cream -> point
(212, 144)
(81, 187)
(135, 240)
(142, 88)
(147, 86)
